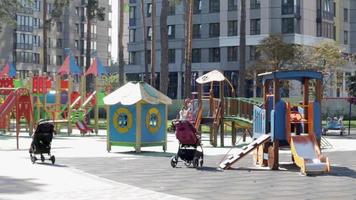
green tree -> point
(275, 53)
(8, 10)
(164, 48)
(328, 58)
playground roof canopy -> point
(214, 75)
(134, 92)
(291, 75)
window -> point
(214, 6)
(232, 54)
(334, 9)
(346, 37)
(37, 5)
(196, 55)
(255, 4)
(59, 43)
(196, 30)
(59, 60)
(132, 57)
(171, 31)
(197, 6)
(149, 33)
(287, 7)
(59, 26)
(132, 12)
(214, 30)
(254, 54)
(77, 11)
(171, 56)
(172, 7)
(149, 10)
(148, 56)
(255, 26)
(76, 44)
(77, 28)
(36, 41)
(214, 55)
(346, 15)
(132, 33)
(232, 28)
(288, 25)
(232, 5)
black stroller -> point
(189, 142)
(41, 141)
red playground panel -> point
(41, 84)
(5, 85)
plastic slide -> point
(83, 127)
(307, 155)
(8, 104)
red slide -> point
(8, 104)
(83, 127)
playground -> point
(286, 148)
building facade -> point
(23, 43)
(216, 33)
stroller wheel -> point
(195, 163)
(33, 159)
(174, 162)
(188, 163)
(42, 158)
(53, 159)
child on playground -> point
(186, 112)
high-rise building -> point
(216, 26)
(23, 43)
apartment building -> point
(23, 43)
(216, 33)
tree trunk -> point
(242, 71)
(120, 45)
(144, 40)
(188, 49)
(164, 48)
(88, 79)
(153, 44)
(45, 29)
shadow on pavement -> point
(209, 169)
(342, 172)
(148, 153)
(17, 186)
(50, 164)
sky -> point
(114, 25)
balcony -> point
(24, 28)
(24, 46)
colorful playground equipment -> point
(223, 111)
(137, 116)
(16, 102)
(277, 123)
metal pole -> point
(350, 116)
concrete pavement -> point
(84, 170)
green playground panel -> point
(101, 96)
(18, 83)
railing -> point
(259, 120)
(240, 107)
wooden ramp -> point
(246, 150)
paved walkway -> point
(84, 170)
